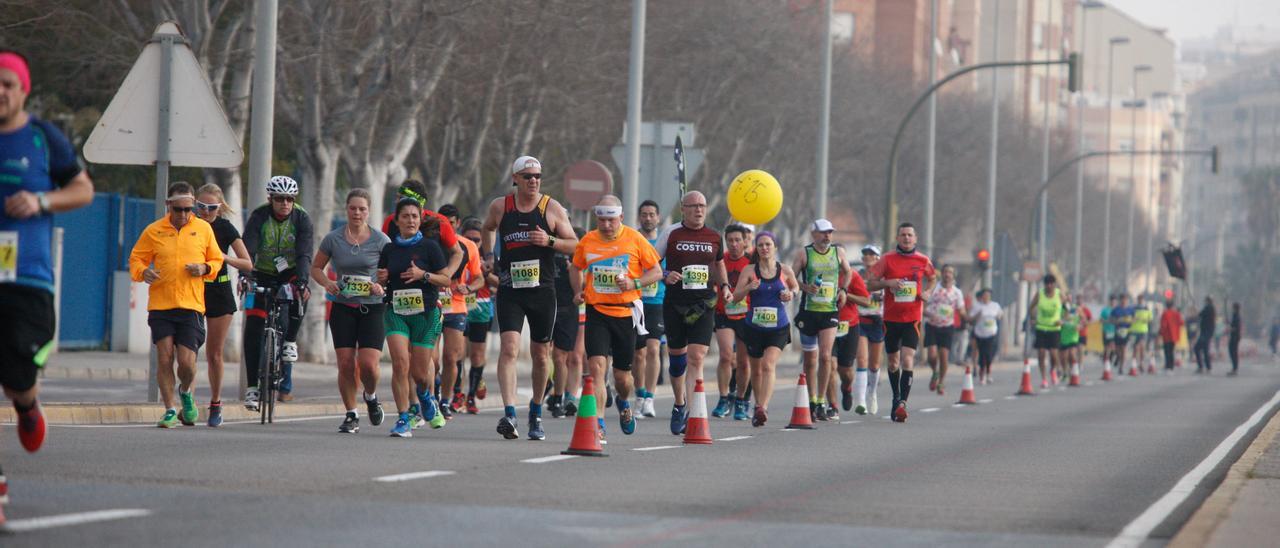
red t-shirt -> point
(1170, 326)
(857, 286)
(448, 238)
(1086, 316)
(904, 305)
(734, 267)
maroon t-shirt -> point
(690, 252)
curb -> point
(1206, 519)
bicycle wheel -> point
(266, 393)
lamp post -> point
(1106, 200)
(1080, 104)
(1154, 207)
(1133, 180)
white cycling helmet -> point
(282, 185)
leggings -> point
(1233, 348)
(986, 351)
(1203, 360)
(1168, 356)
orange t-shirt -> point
(471, 270)
(603, 261)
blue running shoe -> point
(678, 420)
(507, 427)
(535, 429)
(722, 407)
(402, 428)
(627, 420)
(429, 409)
(740, 410)
(215, 415)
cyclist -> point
(532, 227)
(412, 268)
(219, 298)
(278, 237)
(479, 321)
(768, 286)
(355, 318)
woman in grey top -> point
(355, 318)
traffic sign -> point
(1031, 271)
(585, 182)
(199, 135)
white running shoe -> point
(872, 405)
(648, 410)
(290, 352)
(251, 399)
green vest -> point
(822, 269)
(1141, 320)
(1070, 326)
(1049, 311)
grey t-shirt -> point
(356, 265)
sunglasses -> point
(531, 176)
(177, 209)
(207, 207)
(282, 199)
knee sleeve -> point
(678, 365)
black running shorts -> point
(358, 326)
(537, 304)
(612, 336)
(899, 335)
(26, 338)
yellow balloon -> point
(755, 197)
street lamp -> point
(1106, 200)
(1133, 181)
(1080, 102)
(1154, 207)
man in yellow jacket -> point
(176, 255)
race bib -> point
(408, 302)
(736, 308)
(874, 309)
(282, 264)
(946, 311)
(826, 293)
(604, 279)
(8, 256)
(764, 316)
(843, 328)
(471, 301)
(695, 276)
(526, 274)
(444, 299)
(906, 293)
(650, 291)
(356, 286)
(1122, 331)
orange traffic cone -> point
(1075, 374)
(1027, 389)
(698, 429)
(1133, 368)
(1106, 369)
(586, 437)
(800, 419)
(966, 389)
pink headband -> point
(14, 62)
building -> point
(894, 34)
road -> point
(1068, 467)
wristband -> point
(43, 200)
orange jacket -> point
(171, 250)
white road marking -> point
(656, 448)
(850, 422)
(63, 520)
(552, 458)
(1137, 531)
(414, 476)
(954, 405)
(1010, 397)
(986, 400)
(736, 438)
(929, 410)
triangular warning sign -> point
(199, 135)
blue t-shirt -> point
(1108, 328)
(653, 293)
(35, 158)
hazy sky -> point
(1200, 18)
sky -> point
(1189, 19)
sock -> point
(733, 382)
(444, 402)
(535, 410)
(873, 380)
(353, 412)
(172, 410)
(860, 386)
(474, 376)
(746, 396)
(895, 384)
(510, 411)
(457, 382)
(906, 384)
(215, 403)
(371, 397)
(600, 422)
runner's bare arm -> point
(744, 285)
(455, 259)
(320, 261)
(566, 240)
(75, 194)
(490, 226)
(241, 260)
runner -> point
(532, 227)
(42, 177)
(175, 255)
(219, 299)
(1047, 305)
(908, 274)
(1170, 331)
(849, 339)
(1234, 330)
(479, 321)
(564, 338)
(1208, 319)
(940, 314)
(1069, 340)
(648, 361)
(695, 269)
(823, 273)
(1086, 316)
(729, 317)
(985, 317)
(448, 239)
(412, 268)
(1141, 330)
(1122, 316)
(467, 280)
(356, 314)
(1109, 331)
(278, 236)
(870, 340)
(767, 286)
(618, 261)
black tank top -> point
(522, 264)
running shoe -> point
(507, 427)
(760, 417)
(627, 421)
(832, 413)
(933, 382)
(1044, 383)
(600, 433)
(457, 402)
(535, 429)
(375, 411)
(571, 408)
(481, 390)
(820, 413)
(608, 396)
(415, 416)
(4, 494)
(430, 409)
(31, 428)
(740, 409)
(873, 405)
(722, 407)
(846, 395)
(285, 397)
(941, 390)
(402, 429)
(446, 411)
(860, 409)
(893, 407)
(215, 415)
(554, 406)
(251, 399)
(471, 406)
(648, 410)
(350, 425)
(900, 412)
(290, 352)
(189, 414)
(679, 419)
(169, 420)
(437, 421)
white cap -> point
(871, 248)
(525, 162)
(750, 227)
(822, 225)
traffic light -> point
(983, 258)
(1168, 294)
(1213, 160)
(1073, 72)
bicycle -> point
(278, 297)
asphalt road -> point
(1068, 467)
